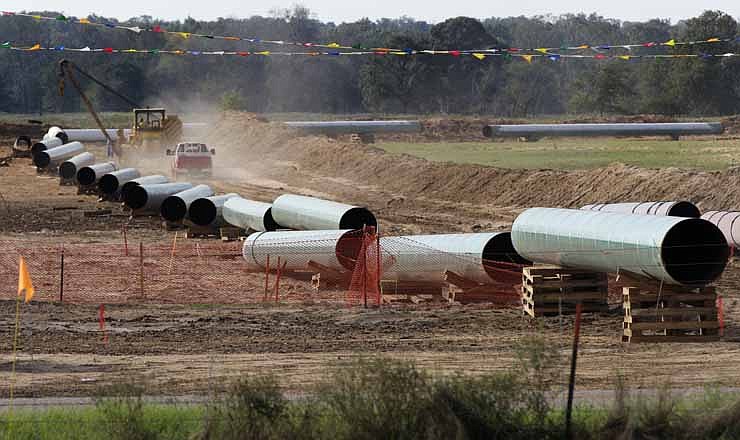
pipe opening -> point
(37, 148)
(348, 248)
(694, 252)
(67, 170)
(22, 141)
(136, 197)
(173, 209)
(684, 209)
(108, 184)
(203, 212)
(86, 176)
(42, 159)
(500, 249)
(356, 218)
(268, 222)
(487, 131)
(63, 136)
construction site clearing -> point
(194, 319)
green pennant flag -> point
(154, 51)
(358, 47)
(61, 18)
(507, 56)
(5, 45)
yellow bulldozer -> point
(152, 130)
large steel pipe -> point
(92, 134)
(355, 127)
(112, 182)
(68, 169)
(673, 209)
(45, 144)
(56, 132)
(54, 156)
(309, 213)
(728, 222)
(149, 198)
(337, 249)
(676, 250)
(145, 180)
(175, 207)
(673, 129)
(209, 210)
(249, 214)
(477, 257)
(90, 174)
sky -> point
(351, 10)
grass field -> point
(575, 153)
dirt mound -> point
(280, 153)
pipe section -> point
(249, 214)
(308, 213)
(155, 179)
(209, 210)
(112, 182)
(673, 209)
(149, 198)
(45, 144)
(175, 207)
(673, 129)
(337, 249)
(728, 222)
(688, 251)
(355, 127)
(53, 156)
(427, 257)
(68, 169)
(90, 175)
(56, 132)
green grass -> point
(570, 154)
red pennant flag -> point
(455, 53)
(243, 54)
(599, 56)
(157, 28)
(108, 50)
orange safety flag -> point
(527, 58)
(24, 281)
(35, 47)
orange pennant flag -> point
(527, 58)
(24, 281)
(713, 40)
(35, 47)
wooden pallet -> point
(392, 291)
(553, 290)
(670, 314)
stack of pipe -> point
(175, 207)
(249, 214)
(69, 168)
(148, 198)
(155, 179)
(675, 250)
(52, 157)
(308, 213)
(45, 144)
(355, 127)
(208, 211)
(111, 183)
(728, 222)
(674, 209)
(91, 174)
(673, 129)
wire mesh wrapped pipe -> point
(308, 213)
(728, 222)
(90, 174)
(68, 169)
(112, 182)
(144, 180)
(676, 250)
(175, 207)
(482, 257)
(674, 129)
(149, 198)
(45, 144)
(674, 209)
(249, 214)
(336, 249)
(355, 127)
(209, 210)
(54, 156)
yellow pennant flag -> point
(36, 17)
(624, 57)
(185, 35)
(527, 58)
(480, 56)
(35, 47)
(670, 42)
(333, 45)
(583, 46)
(542, 50)
(264, 52)
(24, 281)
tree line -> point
(420, 84)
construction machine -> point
(152, 130)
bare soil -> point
(189, 347)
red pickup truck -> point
(191, 158)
